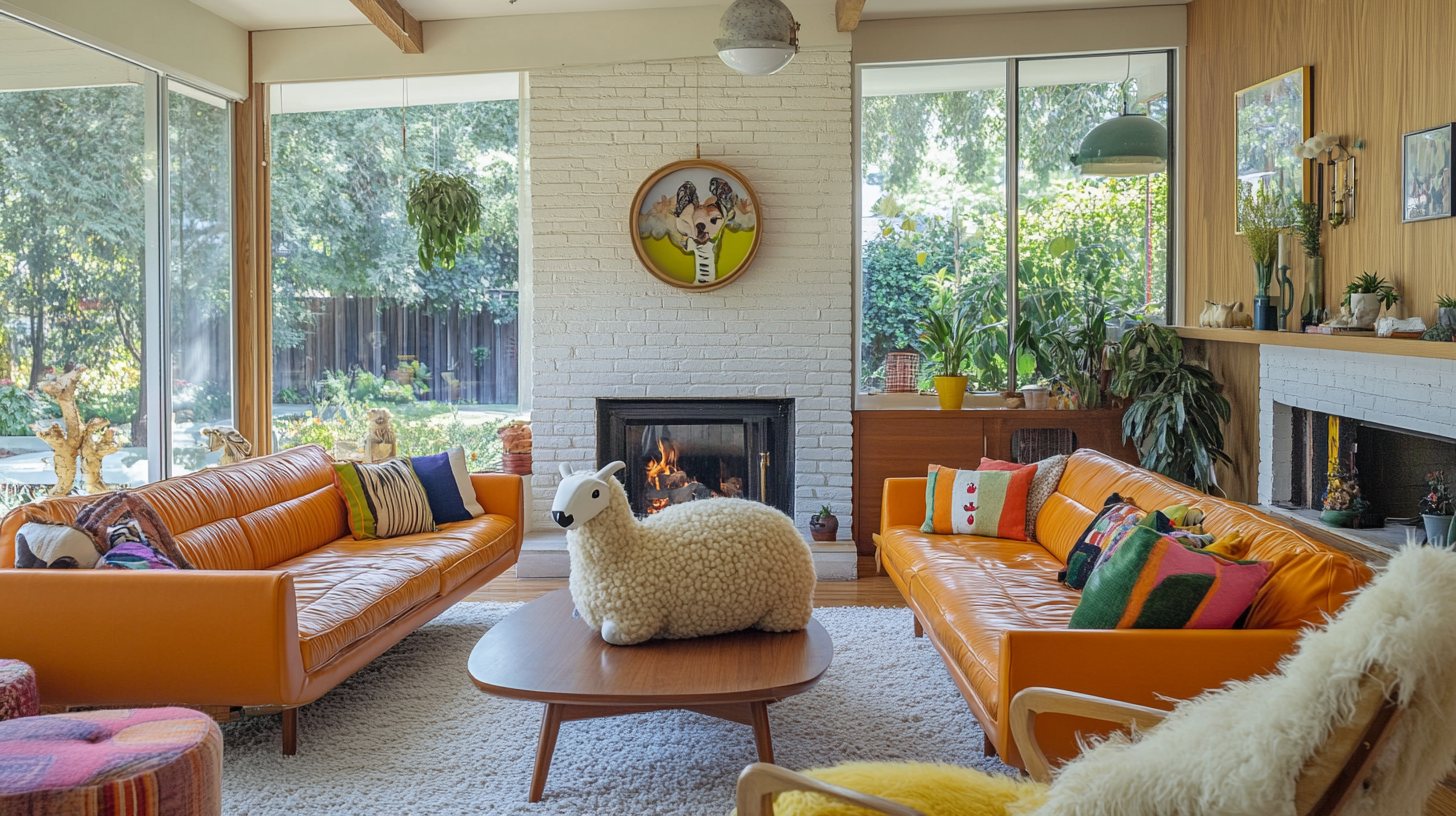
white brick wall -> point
(604, 327)
(1410, 393)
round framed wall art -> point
(696, 224)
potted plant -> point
(1307, 226)
(1436, 509)
(1176, 418)
(444, 209)
(1365, 295)
(1446, 311)
(824, 525)
(947, 333)
(1262, 215)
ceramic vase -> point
(1314, 291)
(1364, 309)
(1445, 317)
(1438, 530)
(951, 391)
(1266, 314)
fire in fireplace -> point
(679, 451)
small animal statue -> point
(698, 568)
(700, 222)
(234, 447)
(380, 441)
(1240, 319)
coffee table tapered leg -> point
(759, 712)
(545, 747)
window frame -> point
(1174, 272)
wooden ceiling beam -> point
(396, 23)
(847, 12)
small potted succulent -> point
(1436, 508)
(824, 525)
(1365, 295)
(1446, 311)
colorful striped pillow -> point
(988, 503)
(385, 499)
(1153, 582)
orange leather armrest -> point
(902, 504)
(121, 638)
(502, 494)
(1140, 666)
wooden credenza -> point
(889, 444)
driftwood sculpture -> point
(235, 447)
(92, 442)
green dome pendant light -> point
(1133, 144)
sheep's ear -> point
(565, 471)
(610, 469)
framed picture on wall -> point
(1425, 174)
(696, 224)
(1272, 117)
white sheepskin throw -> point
(1238, 750)
(699, 568)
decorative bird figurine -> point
(235, 448)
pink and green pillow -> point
(988, 503)
(1151, 581)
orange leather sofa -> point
(284, 603)
(994, 610)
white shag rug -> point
(410, 734)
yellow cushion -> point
(935, 790)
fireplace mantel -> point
(1331, 342)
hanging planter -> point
(444, 208)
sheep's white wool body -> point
(700, 568)
(1237, 751)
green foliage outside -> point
(940, 229)
(423, 428)
(17, 410)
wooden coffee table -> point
(543, 654)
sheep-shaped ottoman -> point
(699, 568)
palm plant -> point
(1176, 419)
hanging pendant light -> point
(1133, 144)
(757, 37)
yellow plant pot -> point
(951, 391)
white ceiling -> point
(260, 15)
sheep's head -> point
(581, 497)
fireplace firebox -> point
(682, 450)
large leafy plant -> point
(1178, 410)
(444, 208)
(947, 333)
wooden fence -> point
(365, 333)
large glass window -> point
(356, 323)
(115, 255)
(1088, 252)
(199, 270)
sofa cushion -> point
(447, 484)
(458, 550)
(344, 594)
(977, 502)
(992, 587)
(384, 499)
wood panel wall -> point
(1381, 68)
(1236, 365)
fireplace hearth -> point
(683, 450)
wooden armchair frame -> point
(1324, 786)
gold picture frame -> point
(1270, 118)
(696, 224)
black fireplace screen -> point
(682, 450)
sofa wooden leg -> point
(986, 747)
(919, 630)
(290, 732)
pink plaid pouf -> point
(18, 695)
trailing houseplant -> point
(946, 334)
(1176, 418)
(444, 209)
(1436, 508)
(1365, 295)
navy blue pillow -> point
(445, 488)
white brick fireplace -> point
(603, 327)
(1407, 393)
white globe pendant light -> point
(757, 37)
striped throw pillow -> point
(385, 499)
(988, 503)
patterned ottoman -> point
(18, 697)
(154, 761)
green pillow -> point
(385, 499)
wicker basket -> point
(902, 372)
